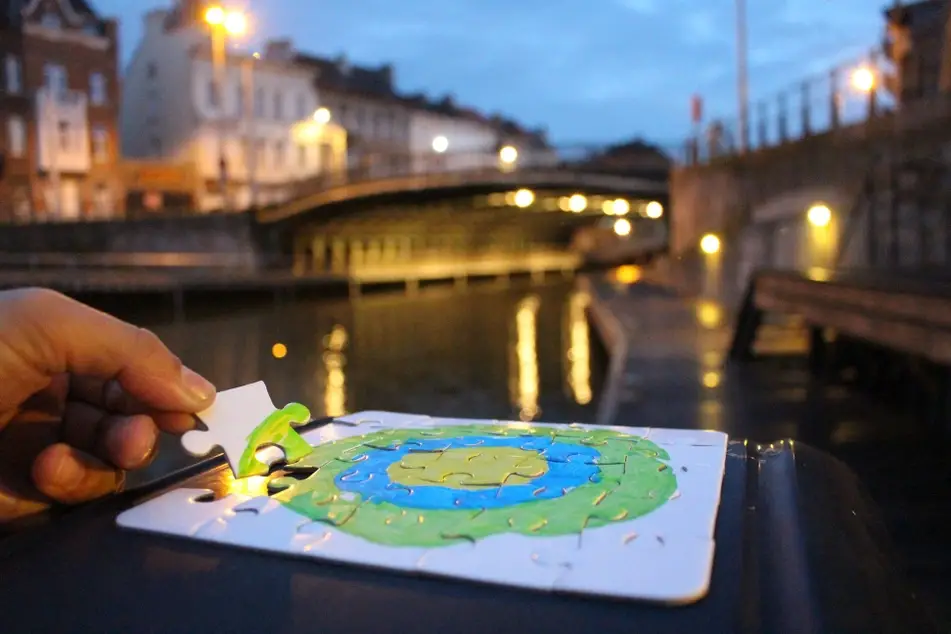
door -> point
(69, 199)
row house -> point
(59, 98)
(365, 102)
(253, 142)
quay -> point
(782, 383)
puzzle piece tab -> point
(242, 421)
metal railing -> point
(848, 95)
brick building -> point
(59, 97)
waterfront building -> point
(59, 97)
(364, 101)
(249, 123)
(444, 135)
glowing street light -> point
(819, 215)
(710, 244)
(223, 23)
(215, 16)
(508, 155)
(863, 79)
(524, 198)
(322, 116)
(577, 203)
(622, 227)
(654, 210)
(235, 23)
(621, 207)
(440, 144)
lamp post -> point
(223, 23)
(742, 81)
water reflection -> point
(526, 356)
(483, 352)
(579, 349)
(335, 382)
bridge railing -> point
(848, 95)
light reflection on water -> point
(517, 352)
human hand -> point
(83, 396)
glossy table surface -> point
(799, 549)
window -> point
(302, 155)
(100, 144)
(97, 89)
(239, 94)
(259, 102)
(213, 93)
(13, 75)
(102, 200)
(54, 78)
(156, 145)
(151, 70)
(301, 106)
(16, 136)
(64, 135)
(279, 154)
(51, 20)
(278, 106)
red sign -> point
(696, 109)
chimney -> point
(386, 72)
(281, 50)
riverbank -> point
(668, 369)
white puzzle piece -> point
(231, 419)
(664, 553)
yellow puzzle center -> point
(468, 468)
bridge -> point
(462, 213)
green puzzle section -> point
(276, 429)
(634, 480)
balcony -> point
(62, 131)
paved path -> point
(668, 370)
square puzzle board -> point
(586, 509)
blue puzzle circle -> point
(569, 466)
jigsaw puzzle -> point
(250, 430)
(615, 511)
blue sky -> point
(589, 70)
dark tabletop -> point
(799, 549)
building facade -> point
(446, 136)
(59, 110)
(255, 141)
(364, 101)
(918, 43)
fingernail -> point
(139, 441)
(199, 387)
(66, 475)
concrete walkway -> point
(667, 370)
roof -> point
(11, 11)
(925, 13)
(338, 75)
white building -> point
(445, 137)
(259, 136)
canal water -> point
(519, 351)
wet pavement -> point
(676, 376)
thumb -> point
(44, 333)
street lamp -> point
(819, 215)
(322, 116)
(223, 22)
(508, 155)
(864, 79)
(577, 203)
(654, 210)
(622, 227)
(524, 198)
(710, 244)
(440, 144)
